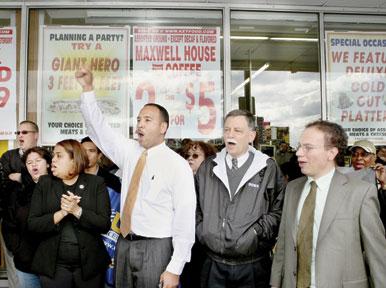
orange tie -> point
(132, 195)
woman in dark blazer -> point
(70, 210)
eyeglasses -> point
(194, 156)
(24, 132)
(361, 154)
(306, 147)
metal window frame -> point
(226, 9)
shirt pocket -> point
(155, 188)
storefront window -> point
(171, 57)
(9, 88)
(275, 73)
(355, 73)
(9, 71)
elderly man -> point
(240, 195)
(363, 154)
(363, 159)
(329, 220)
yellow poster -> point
(3, 146)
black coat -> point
(21, 242)
(10, 163)
(95, 220)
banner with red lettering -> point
(7, 83)
(105, 50)
(356, 83)
(179, 68)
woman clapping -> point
(70, 210)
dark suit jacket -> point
(111, 180)
(350, 225)
(95, 220)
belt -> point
(135, 237)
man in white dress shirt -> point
(162, 221)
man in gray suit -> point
(329, 221)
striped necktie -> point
(234, 164)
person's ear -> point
(164, 127)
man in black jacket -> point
(27, 137)
(240, 196)
(95, 155)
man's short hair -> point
(334, 136)
(33, 124)
(88, 139)
(248, 116)
(164, 113)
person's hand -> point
(69, 203)
(15, 177)
(84, 78)
(380, 173)
(169, 280)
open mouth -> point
(140, 134)
(359, 165)
(231, 142)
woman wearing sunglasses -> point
(69, 211)
(195, 152)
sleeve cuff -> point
(88, 96)
(175, 266)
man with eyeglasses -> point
(240, 196)
(27, 137)
(330, 220)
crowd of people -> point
(231, 218)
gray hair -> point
(248, 116)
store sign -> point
(7, 83)
(105, 51)
(356, 83)
(179, 68)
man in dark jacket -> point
(113, 185)
(240, 196)
(27, 137)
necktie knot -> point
(314, 186)
(234, 163)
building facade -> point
(288, 62)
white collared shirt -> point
(240, 160)
(323, 184)
(166, 199)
